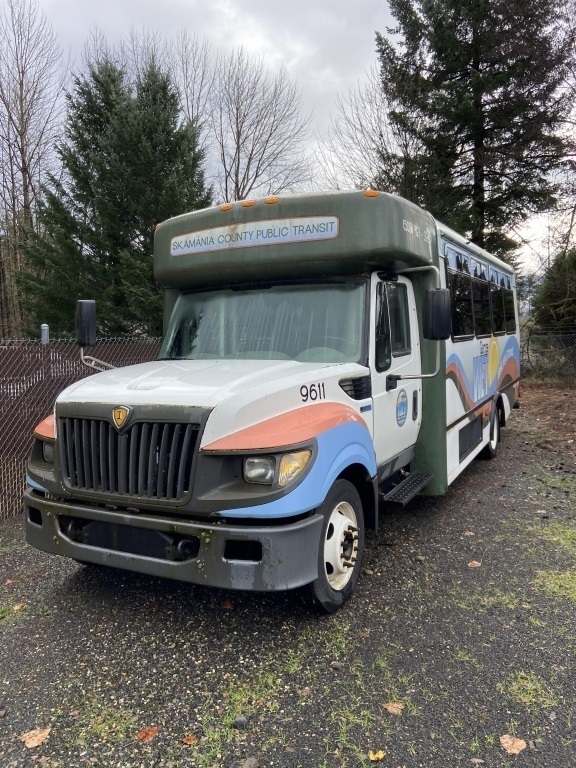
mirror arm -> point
(393, 379)
(423, 269)
(93, 362)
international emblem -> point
(120, 416)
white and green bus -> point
(322, 354)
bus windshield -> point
(318, 322)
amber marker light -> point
(46, 429)
(248, 203)
(226, 207)
(272, 200)
(291, 465)
(371, 193)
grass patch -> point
(558, 584)
(108, 724)
(527, 689)
(5, 613)
(556, 533)
(463, 657)
(468, 600)
(241, 698)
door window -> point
(392, 324)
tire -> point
(341, 548)
(491, 449)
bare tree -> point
(191, 61)
(257, 128)
(31, 86)
(362, 147)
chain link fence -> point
(32, 374)
(549, 356)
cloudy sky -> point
(326, 45)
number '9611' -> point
(312, 392)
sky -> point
(327, 46)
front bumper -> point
(259, 558)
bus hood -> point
(239, 393)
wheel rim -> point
(494, 436)
(341, 545)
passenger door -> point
(395, 349)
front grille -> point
(148, 460)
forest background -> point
(469, 110)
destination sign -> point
(254, 233)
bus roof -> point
(294, 236)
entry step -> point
(408, 488)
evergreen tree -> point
(478, 85)
(128, 162)
(555, 300)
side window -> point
(481, 297)
(510, 315)
(399, 319)
(383, 353)
(497, 298)
(461, 293)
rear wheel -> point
(490, 450)
(341, 548)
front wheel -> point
(341, 548)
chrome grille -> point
(147, 460)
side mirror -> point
(437, 314)
(86, 323)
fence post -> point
(44, 334)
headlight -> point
(291, 464)
(259, 469)
(48, 452)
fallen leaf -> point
(228, 605)
(474, 564)
(376, 757)
(469, 533)
(19, 606)
(476, 761)
(147, 734)
(394, 707)
(36, 737)
(512, 745)
(191, 739)
(8, 582)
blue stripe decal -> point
(338, 448)
(34, 485)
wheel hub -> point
(341, 545)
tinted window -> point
(461, 292)
(510, 315)
(498, 319)
(481, 298)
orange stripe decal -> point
(46, 428)
(290, 428)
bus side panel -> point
(478, 371)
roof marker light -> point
(371, 193)
(272, 200)
(248, 203)
(226, 207)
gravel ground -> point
(462, 631)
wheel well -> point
(361, 480)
